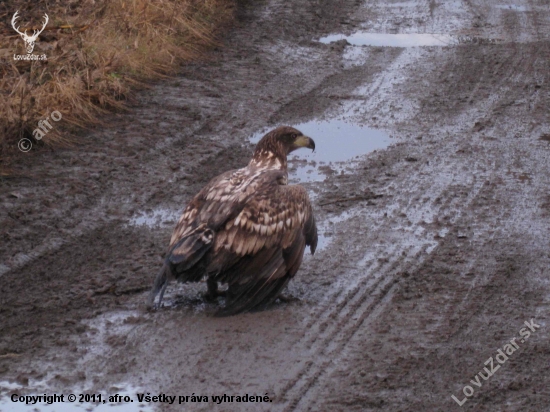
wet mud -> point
(430, 186)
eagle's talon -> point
(287, 299)
(211, 296)
(213, 292)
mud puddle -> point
(102, 331)
(405, 39)
(104, 327)
(338, 143)
(410, 274)
(158, 217)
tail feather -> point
(159, 285)
(183, 262)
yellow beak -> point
(305, 141)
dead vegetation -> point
(97, 53)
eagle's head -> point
(278, 143)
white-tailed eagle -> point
(246, 228)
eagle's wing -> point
(220, 200)
(261, 249)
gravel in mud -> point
(435, 249)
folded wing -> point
(261, 249)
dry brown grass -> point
(97, 53)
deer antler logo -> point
(29, 40)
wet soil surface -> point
(435, 249)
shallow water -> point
(391, 40)
(155, 217)
(337, 144)
(99, 328)
(513, 7)
(404, 39)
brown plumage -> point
(246, 228)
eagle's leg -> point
(213, 291)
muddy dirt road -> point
(435, 250)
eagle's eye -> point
(294, 136)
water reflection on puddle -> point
(405, 39)
(155, 217)
(337, 143)
(391, 40)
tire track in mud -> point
(478, 79)
(344, 317)
(328, 331)
(300, 393)
(360, 303)
(367, 300)
(523, 63)
(452, 208)
(481, 282)
(99, 217)
(51, 245)
(331, 310)
(489, 69)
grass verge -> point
(97, 53)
